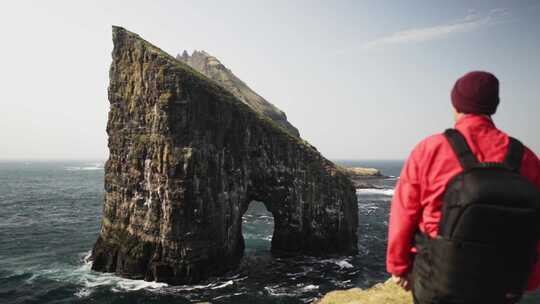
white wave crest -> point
(83, 292)
(83, 168)
(385, 192)
(228, 283)
(290, 291)
(89, 280)
(277, 291)
(309, 288)
(342, 263)
(214, 285)
(228, 296)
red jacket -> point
(419, 192)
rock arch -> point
(187, 158)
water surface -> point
(49, 221)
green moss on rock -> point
(384, 293)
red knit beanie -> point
(476, 93)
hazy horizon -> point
(360, 80)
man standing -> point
(474, 152)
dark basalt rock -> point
(187, 158)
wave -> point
(277, 291)
(93, 279)
(310, 287)
(90, 168)
(385, 192)
(368, 207)
(301, 274)
(218, 284)
(228, 296)
(228, 283)
(342, 263)
(290, 291)
(90, 280)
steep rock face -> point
(187, 158)
(212, 68)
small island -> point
(363, 177)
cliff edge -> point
(212, 68)
(384, 293)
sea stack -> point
(186, 159)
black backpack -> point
(488, 233)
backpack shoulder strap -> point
(461, 148)
(514, 154)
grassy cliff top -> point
(384, 293)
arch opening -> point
(257, 229)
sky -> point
(359, 79)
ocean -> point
(49, 220)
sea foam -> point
(385, 192)
(89, 280)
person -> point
(419, 195)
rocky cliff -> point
(186, 159)
(212, 68)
